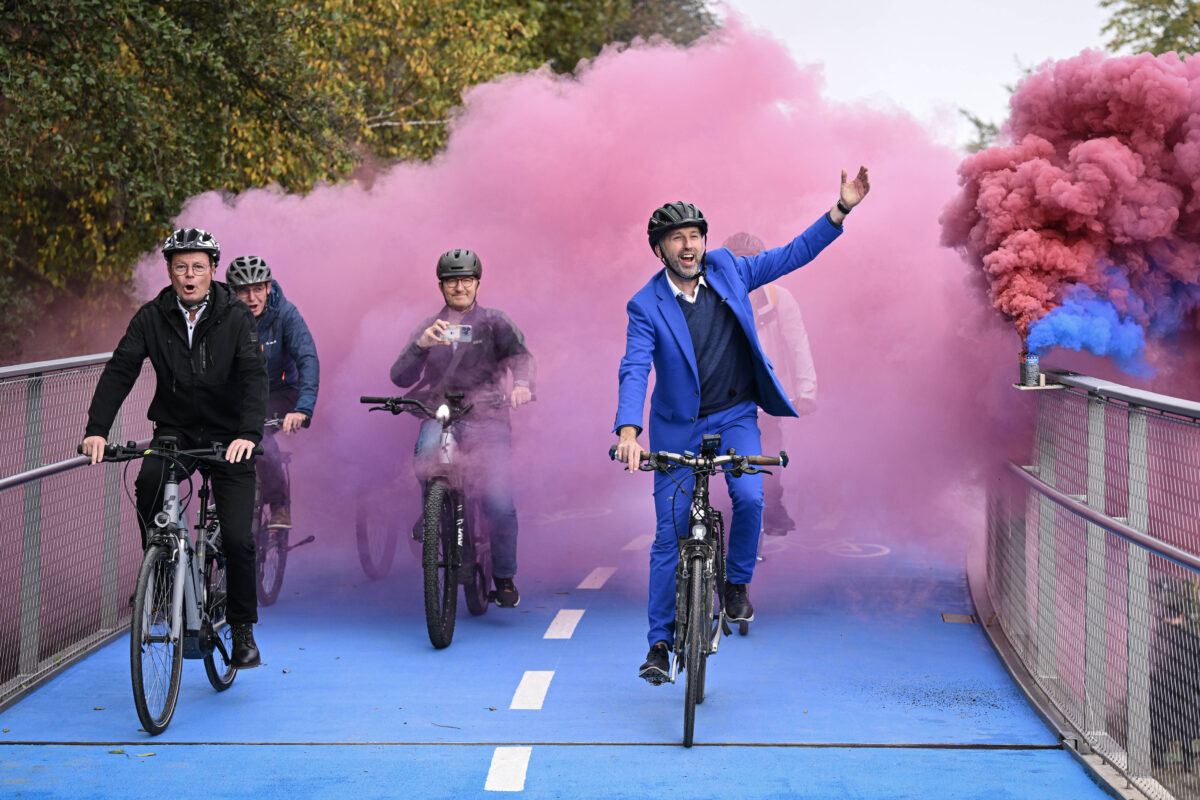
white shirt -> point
(191, 325)
(679, 292)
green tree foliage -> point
(572, 30)
(114, 112)
(1154, 26)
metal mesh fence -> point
(69, 548)
(1108, 628)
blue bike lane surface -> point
(849, 684)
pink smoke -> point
(551, 180)
(1098, 187)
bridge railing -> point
(1093, 570)
(69, 548)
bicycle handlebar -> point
(662, 460)
(129, 451)
(277, 422)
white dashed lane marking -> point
(640, 543)
(597, 578)
(563, 625)
(531, 692)
(507, 773)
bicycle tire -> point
(438, 558)
(376, 539)
(218, 665)
(476, 587)
(270, 556)
(697, 626)
(155, 659)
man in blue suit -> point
(693, 322)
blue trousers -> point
(485, 445)
(738, 427)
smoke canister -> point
(1029, 369)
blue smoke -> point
(1086, 321)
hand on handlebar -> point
(520, 395)
(293, 422)
(628, 450)
(93, 448)
(239, 450)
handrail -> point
(57, 365)
(1143, 540)
(47, 470)
(1126, 394)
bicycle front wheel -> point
(218, 664)
(697, 629)
(155, 656)
(439, 559)
(375, 532)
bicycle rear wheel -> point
(697, 629)
(155, 657)
(375, 533)
(218, 664)
(439, 557)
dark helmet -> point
(675, 215)
(459, 264)
(744, 244)
(191, 240)
(245, 270)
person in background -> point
(785, 342)
(292, 367)
(434, 363)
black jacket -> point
(216, 389)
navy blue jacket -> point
(291, 353)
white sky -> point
(929, 57)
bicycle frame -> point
(188, 592)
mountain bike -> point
(456, 548)
(271, 546)
(180, 595)
(700, 574)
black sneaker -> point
(245, 651)
(737, 603)
(506, 594)
(656, 670)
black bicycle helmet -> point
(459, 264)
(191, 240)
(674, 215)
(245, 270)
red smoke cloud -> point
(1098, 187)
(551, 180)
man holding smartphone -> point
(471, 349)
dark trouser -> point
(485, 446)
(270, 463)
(775, 517)
(233, 490)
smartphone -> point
(457, 333)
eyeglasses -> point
(455, 282)
(194, 269)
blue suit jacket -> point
(658, 336)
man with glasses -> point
(211, 387)
(292, 367)
(471, 349)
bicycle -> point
(455, 547)
(180, 596)
(700, 573)
(271, 546)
